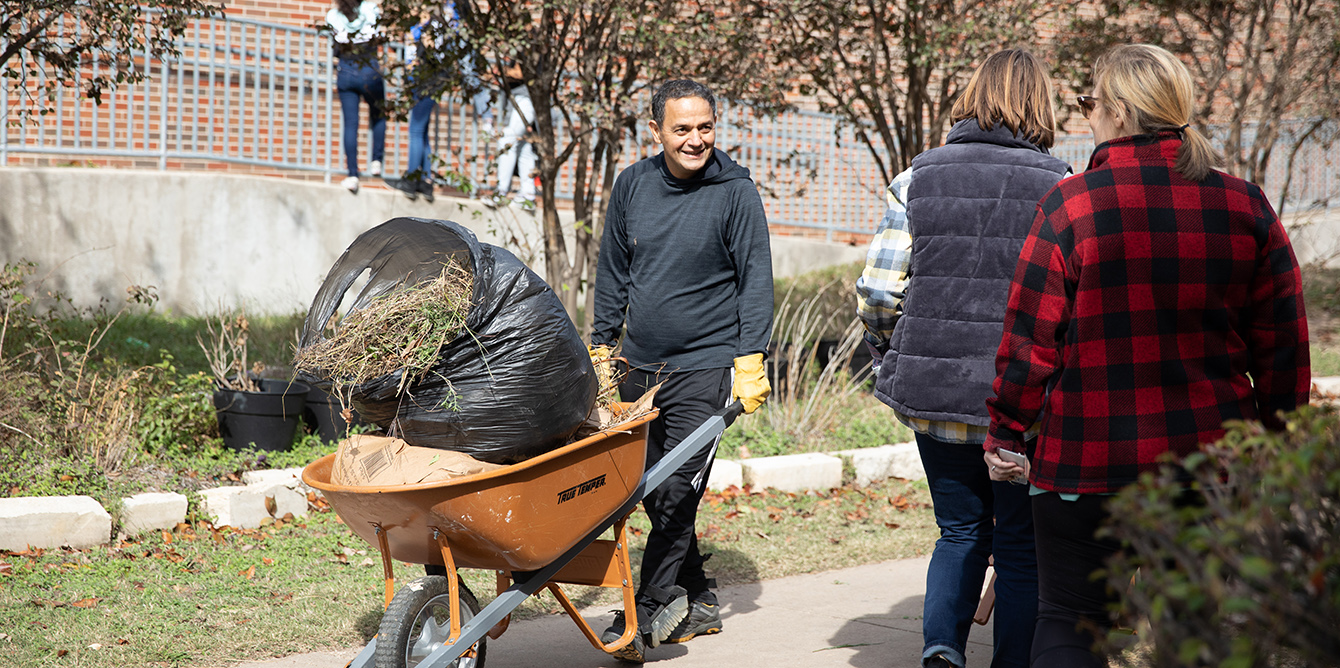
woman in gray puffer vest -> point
(932, 298)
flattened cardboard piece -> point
(645, 404)
(366, 460)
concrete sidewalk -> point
(866, 616)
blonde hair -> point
(1011, 87)
(1153, 89)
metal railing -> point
(263, 95)
(241, 92)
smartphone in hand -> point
(1016, 458)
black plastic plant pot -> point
(323, 416)
(264, 420)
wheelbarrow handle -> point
(729, 413)
(684, 451)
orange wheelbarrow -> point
(536, 524)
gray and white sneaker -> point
(636, 649)
(649, 634)
(703, 619)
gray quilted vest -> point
(970, 206)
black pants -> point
(686, 400)
(1072, 607)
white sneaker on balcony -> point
(350, 183)
(375, 168)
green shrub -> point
(1250, 577)
(178, 413)
(92, 400)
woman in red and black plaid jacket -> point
(1154, 299)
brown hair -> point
(349, 8)
(1011, 87)
(1153, 90)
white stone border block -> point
(794, 473)
(152, 511)
(53, 521)
(725, 472)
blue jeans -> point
(361, 81)
(420, 153)
(966, 501)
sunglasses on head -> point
(1086, 104)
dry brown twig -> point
(226, 352)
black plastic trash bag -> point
(521, 380)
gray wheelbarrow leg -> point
(526, 584)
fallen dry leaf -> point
(6, 568)
(267, 561)
(86, 603)
(249, 573)
(167, 537)
(95, 646)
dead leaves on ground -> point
(49, 603)
(846, 506)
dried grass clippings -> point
(403, 330)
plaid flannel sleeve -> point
(1036, 318)
(879, 290)
(1281, 360)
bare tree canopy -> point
(49, 44)
(892, 69)
(1257, 63)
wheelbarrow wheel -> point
(418, 621)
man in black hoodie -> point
(685, 266)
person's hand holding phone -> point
(1007, 465)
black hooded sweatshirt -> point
(688, 262)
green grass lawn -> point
(196, 596)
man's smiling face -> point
(687, 134)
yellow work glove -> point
(600, 356)
(751, 382)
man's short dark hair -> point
(676, 89)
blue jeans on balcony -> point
(420, 153)
(966, 502)
(361, 81)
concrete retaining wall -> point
(207, 240)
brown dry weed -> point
(403, 330)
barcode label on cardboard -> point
(375, 463)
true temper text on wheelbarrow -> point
(581, 488)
